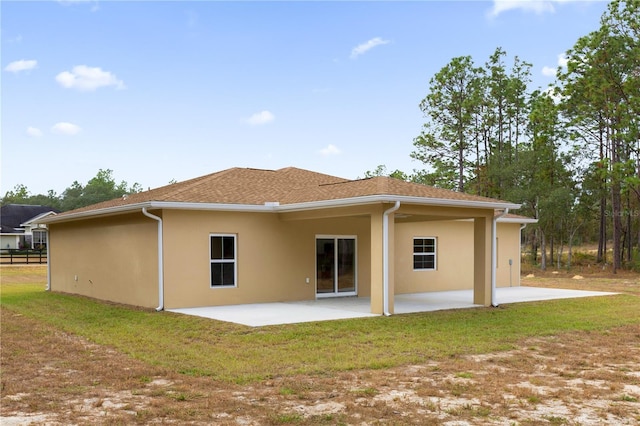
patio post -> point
(377, 258)
(482, 260)
(388, 270)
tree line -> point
(101, 187)
(569, 154)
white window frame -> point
(39, 237)
(434, 254)
(335, 238)
(217, 261)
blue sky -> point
(157, 91)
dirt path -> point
(54, 378)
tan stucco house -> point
(252, 236)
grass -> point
(239, 354)
(562, 356)
(369, 392)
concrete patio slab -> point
(262, 314)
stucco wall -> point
(113, 258)
(454, 256)
(508, 248)
(274, 256)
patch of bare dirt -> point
(593, 279)
(53, 378)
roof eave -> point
(37, 219)
(521, 220)
(275, 207)
(107, 211)
(155, 205)
(370, 199)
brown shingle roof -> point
(377, 186)
(289, 185)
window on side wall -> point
(222, 254)
(424, 253)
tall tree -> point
(549, 187)
(18, 195)
(72, 197)
(453, 99)
(504, 118)
(601, 99)
(103, 187)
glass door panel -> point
(336, 266)
(346, 265)
(325, 265)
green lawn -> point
(242, 354)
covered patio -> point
(262, 314)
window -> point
(424, 253)
(223, 260)
(39, 240)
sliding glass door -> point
(336, 266)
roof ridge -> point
(372, 178)
(297, 169)
(189, 184)
(382, 185)
(337, 183)
(255, 168)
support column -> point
(377, 298)
(392, 262)
(482, 261)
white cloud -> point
(64, 128)
(260, 118)
(21, 65)
(562, 60)
(366, 46)
(330, 150)
(536, 6)
(86, 78)
(548, 71)
(34, 132)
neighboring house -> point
(251, 236)
(18, 227)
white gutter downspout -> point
(385, 257)
(524, 225)
(494, 255)
(160, 262)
